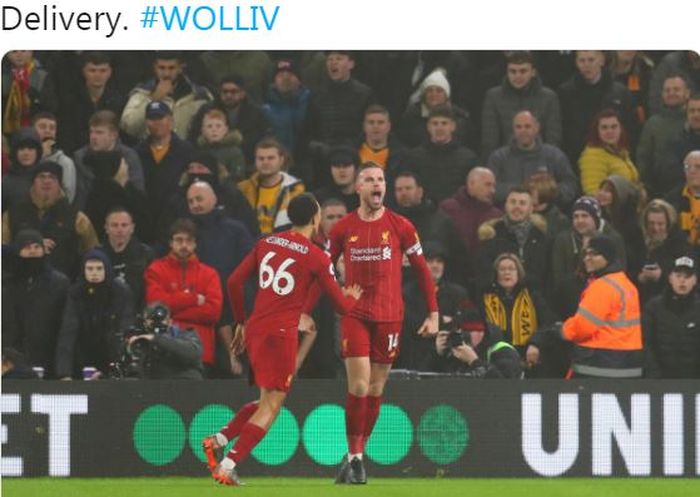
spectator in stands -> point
(244, 114)
(188, 287)
(33, 297)
(25, 153)
(663, 244)
(169, 86)
(679, 62)
(568, 277)
(521, 90)
(16, 367)
(332, 211)
(96, 94)
(204, 167)
(442, 162)
(633, 70)
(222, 243)
(285, 105)
(112, 187)
(589, 91)
(223, 143)
(669, 324)
(270, 189)
(512, 304)
(543, 189)
(252, 68)
(431, 223)
(686, 198)
(519, 231)
(46, 126)
(685, 142)
(621, 201)
(607, 152)
(380, 145)
(104, 137)
(472, 205)
(652, 157)
(416, 352)
(164, 156)
(335, 112)
(435, 92)
(525, 155)
(67, 232)
(26, 90)
(475, 348)
(99, 311)
(605, 331)
(128, 255)
(343, 163)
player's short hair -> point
(272, 143)
(216, 114)
(302, 209)
(520, 57)
(168, 55)
(44, 114)
(377, 109)
(183, 226)
(409, 174)
(119, 209)
(442, 111)
(333, 202)
(519, 189)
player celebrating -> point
(287, 264)
(372, 240)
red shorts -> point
(272, 359)
(379, 341)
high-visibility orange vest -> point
(606, 329)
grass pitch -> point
(377, 487)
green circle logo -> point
(209, 420)
(281, 442)
(443, 434)
(323, 434)
(159, 435)
(392, 436)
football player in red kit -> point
(286, 265)
(373, 240)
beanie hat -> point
(286, 65)
(604, 245)
(433, 249)
(342, 155)
(436, 78)
(48, 167)
(591, 206)
(28, 236)
(206, 159)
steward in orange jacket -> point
(606, 330)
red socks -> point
(373, 405)
(251, 435)
(355, 415)
(233, 428)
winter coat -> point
(129, 266)
(440, 167)
(671, 326)
(654, 148)
(290, 188)
(597, 163)
(228, 153)
(18, 180)
(468, 214)
(286, 114)
(513, 165)
(413, 131)
(503, 102)
(177, 286)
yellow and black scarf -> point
(523, 316)
(18, 105)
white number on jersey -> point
(393, 341)
(282, 282)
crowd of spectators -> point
(138, 178)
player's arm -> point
(314, 292)
(343, 300)
(236, 285)
(414, 252)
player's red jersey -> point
(373, 252)
(287, 264)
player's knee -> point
(359, 388)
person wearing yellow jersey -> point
(379, 145)
(270, 189)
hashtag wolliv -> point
(223, 18)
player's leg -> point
(379, 374)
(213, 445)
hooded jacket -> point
(95, 320)
(18, 180)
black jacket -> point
(671, 329)
(94, 322)
(174, 355)
(31, 312)
(129, 266)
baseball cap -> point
(157, 109)
(685, 263)
(286, 65)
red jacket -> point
(177, 286)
